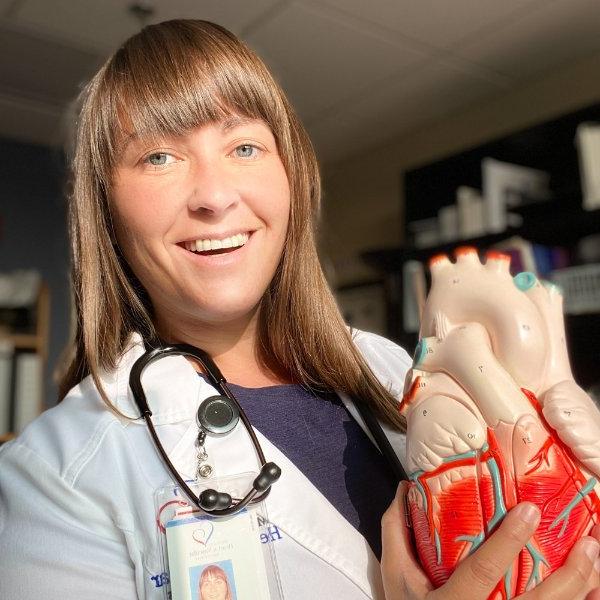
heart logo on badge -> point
(203, 533)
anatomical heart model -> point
(494, 418)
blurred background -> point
(437, 124)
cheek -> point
(279, 208)
(139, 216)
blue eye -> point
(157, 159)
(245, 151)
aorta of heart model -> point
(494, 418)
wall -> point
(363, 195)
(33, 231)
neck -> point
(233, 345)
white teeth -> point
(233, 241)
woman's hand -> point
(476, 576)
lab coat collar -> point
(172, 386)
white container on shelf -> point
(588, 149)
(448, 223)
(470, 212)
(505, 186)
(581, 288)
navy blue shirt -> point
(321, 438)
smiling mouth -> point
(211, 247)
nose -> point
(212, 191)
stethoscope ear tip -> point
(268, 475)
(210, 500)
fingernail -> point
(529, 513)
(591, 549)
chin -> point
(226, 309)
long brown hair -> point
(167, 80)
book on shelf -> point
(505, 186)
(535, 258)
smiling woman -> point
(193, 216)
(194, 120)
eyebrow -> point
(234, 121)
(227, 124)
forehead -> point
(213, 577)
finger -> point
(399, 567)
(575, 578)
(595, 532)
(477, 576)
(594, 595)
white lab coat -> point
(77, 515)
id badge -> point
(216, 558)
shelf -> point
(23, 341)
(547, 223)
(23, 365)
(390, 259)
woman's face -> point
(213, 588)
(202, 219)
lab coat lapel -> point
(396, 438)
(316, 525)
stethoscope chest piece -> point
(217, 415)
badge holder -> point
(216, 557)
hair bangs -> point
(162, 82)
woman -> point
(192, 218)
(213, 584)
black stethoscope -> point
(217, 415)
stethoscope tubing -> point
(218, 380)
